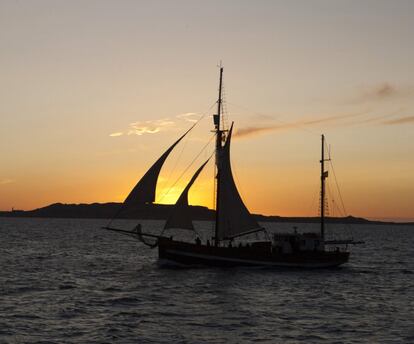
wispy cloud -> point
(6, 181)
(150, 127)
(401, 120)
(257, 130)
(379, 92)
(155, 126)
(384, 91)
(270, 127)
(119, 133)
(145, 127)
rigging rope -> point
(337, 187)
(203, 114)
(343, 212)
(186, 169)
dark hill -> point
(159, 212)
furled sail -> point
(180, 217)
(144, 191)
(233, 216)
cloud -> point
(378, 92)
(155, 126)
(401, 120)
(257, 130)
(384, 90)
(119, 133)
(145, 127)
(6, 181)
(337, 119)
(139, 130)
(150, 127)
(269, 127)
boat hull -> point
(188, 254)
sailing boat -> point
(232, 221)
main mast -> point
(219, 136)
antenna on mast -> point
(324, 175)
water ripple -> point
(65, 281)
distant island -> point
(161, 212)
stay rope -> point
(186, 169)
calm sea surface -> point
(67, 281)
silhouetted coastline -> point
(161, 212)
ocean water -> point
(67, 281)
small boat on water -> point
(233, 221)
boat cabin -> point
(294, 242)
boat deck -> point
(256, 254)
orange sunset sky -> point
(92, 93)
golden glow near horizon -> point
(92, 95)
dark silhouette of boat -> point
(233, 221)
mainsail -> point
(180, 217)
(144, 191)
(233, 216)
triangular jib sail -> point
(180, 216)
(233, 216)
(144, 191)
